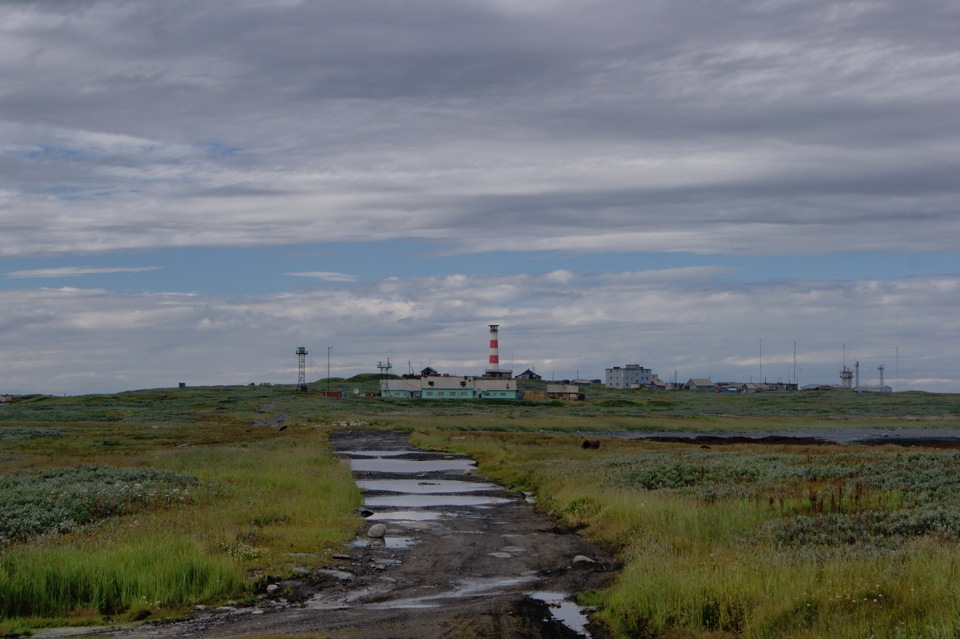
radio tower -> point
(302, 369)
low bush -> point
(66, 499)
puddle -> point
(420, 487)
(375, 453)
(393, 543)
(379, 465)
(462, 590)
(834, 436)
(563, 610)
(421, 501)
(407, 515)
(414, 503)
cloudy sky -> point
(191, 189)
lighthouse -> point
(493, 367)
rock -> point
(377, 531)
(364, 512)
(583, 559)
(384, 564)
(340, 575)
(272, 588)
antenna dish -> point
(356, 391)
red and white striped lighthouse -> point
(493, 368)
(494, 349)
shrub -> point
(63, 500)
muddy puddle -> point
(420, 487)
(426, 501)
(565, 611)
(442, 519)
(370, 464)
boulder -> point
(377, 531)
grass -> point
(156, 570)
(119, 518)
(744, 541)
(170, 497)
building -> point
(405, 388)
(701, 384)
(449, 387)
(564, 391)
(630, 376)
(529, 374)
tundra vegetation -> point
(147, 503)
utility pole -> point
(329, 348)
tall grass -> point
(260, 504)
(270, 498)
(701, 533)
(158, 570)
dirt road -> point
(460, 557)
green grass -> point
(112, 518)
(152, 572)
(744, 541)
(747, 541)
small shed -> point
(701, 384)
(564, 391)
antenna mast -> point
(302, 369)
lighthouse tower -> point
(493, 367)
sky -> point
(743, 190)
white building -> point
(630, 376)
(449, 387)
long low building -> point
(449, 387)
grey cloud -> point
(564, 120)
(665, 320)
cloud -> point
(485, 129)
(76, 271)
(327, 276)
(690, 324)
(755, 128)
